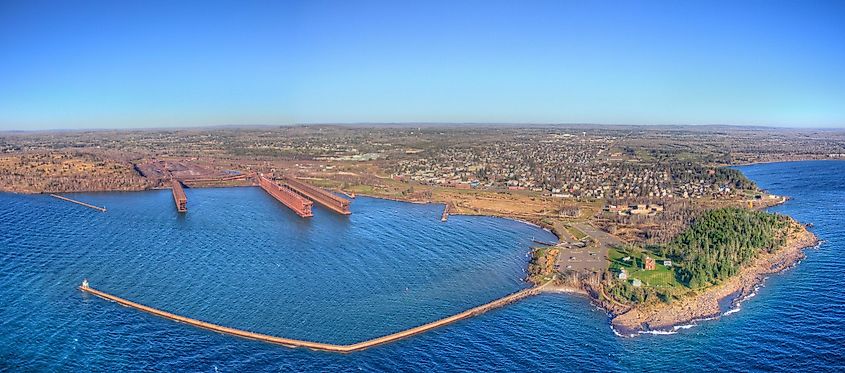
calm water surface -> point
(239, 259)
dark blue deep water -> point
(239, 259)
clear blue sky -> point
(116, 64)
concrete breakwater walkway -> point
(294, 343)
(102, 209)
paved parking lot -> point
(577, 256)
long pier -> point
(102, 209)
(295, 343)
(319, 195)
(179, 196)
(300, 205)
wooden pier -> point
(295, 343)
(101, 209)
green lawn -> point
(661, 277)
(324, 183)
(363, 189)
(575, 232)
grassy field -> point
(362, 189)
(660, 277)
(575, 232)
(541, 268)
(324, 183)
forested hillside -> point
(720, 242)
(716, 246)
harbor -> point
(296, 343)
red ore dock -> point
(287, 196)
(319, 195)
(179, 196)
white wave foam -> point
(732, 311)
(684, 326)
(658, 332)
(737, 303)
(619, 334)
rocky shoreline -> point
(706, 304)
(662, 317)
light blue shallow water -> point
(238, 258)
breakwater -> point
(295, 343)
(102, 209)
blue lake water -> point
(239, 258)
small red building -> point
(649, 264)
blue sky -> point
(119, 64)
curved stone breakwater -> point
(295, 343)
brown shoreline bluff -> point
(705, 304)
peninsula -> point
(653, 223)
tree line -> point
(720, 242)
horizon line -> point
(414, 123)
